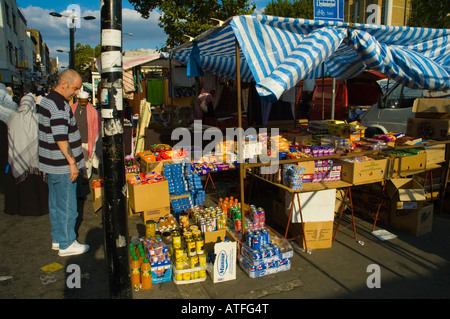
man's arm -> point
(67, 152)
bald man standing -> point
(61, 159)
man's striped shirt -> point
(57, 123)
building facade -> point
(384, 12)
(24, 57)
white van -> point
(393, 108)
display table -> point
(308, 187)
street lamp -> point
(72, 34)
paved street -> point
(410, 267)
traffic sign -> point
(329, 10)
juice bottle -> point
(141, 257)
(146, 275)
(225, 207)
(137, 249)
(220, 204)
(135, 273)
(140, 253)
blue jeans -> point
(62, 204)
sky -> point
(146, 34)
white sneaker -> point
(75, 249)
(55, 246)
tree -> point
(84, 55)
(190, 17)
(430, 14)
(291, 9)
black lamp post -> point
(72, 34)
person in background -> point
(26, 193)
(307, 95)
(61, 159)
(88, 123)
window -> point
(14, 23)
(7, 14)
(10, 52)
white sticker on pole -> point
(112, 37)
(119, 100)
(107, 113)
(111, 59)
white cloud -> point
(55, 33)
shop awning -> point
(276, 53)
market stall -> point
(276, 53)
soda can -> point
(265, 253)
(193, 261)
(238, 225)
(202, 260)
(249, 238)
(186, 276)
(191, 248)
(219, 222)
(199, 246)
(179, 255)
(176, 240)
(256, 255)
(262, 215)
(265, 234)
(256, 242)
(179, 264)
(277, 250)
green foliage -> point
(84, 55)
(291, 9)
(430, 14)
(190, 17)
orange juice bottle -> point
(146, 275)
(225, 206)
(135, 273)
(220, 203)
(141, 257)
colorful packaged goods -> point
(160, 261)
(292, 176)
(145, 178)
(189, 264)
(263, 253)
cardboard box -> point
(97, 193)
(407, 165)
(406, 197)
(155, 214)
(364, 172)
(319, 234)
(224, 266)
(433, 105)
(161, 273)
(176, 272)
(416, 222)
(298, 138)
(428, 128)
(214, 236)
(315, 206)
(143, 197)
(435, 154)
(405, 190)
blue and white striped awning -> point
(276, 53)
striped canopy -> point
(276, 53)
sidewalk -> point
(410, 267)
